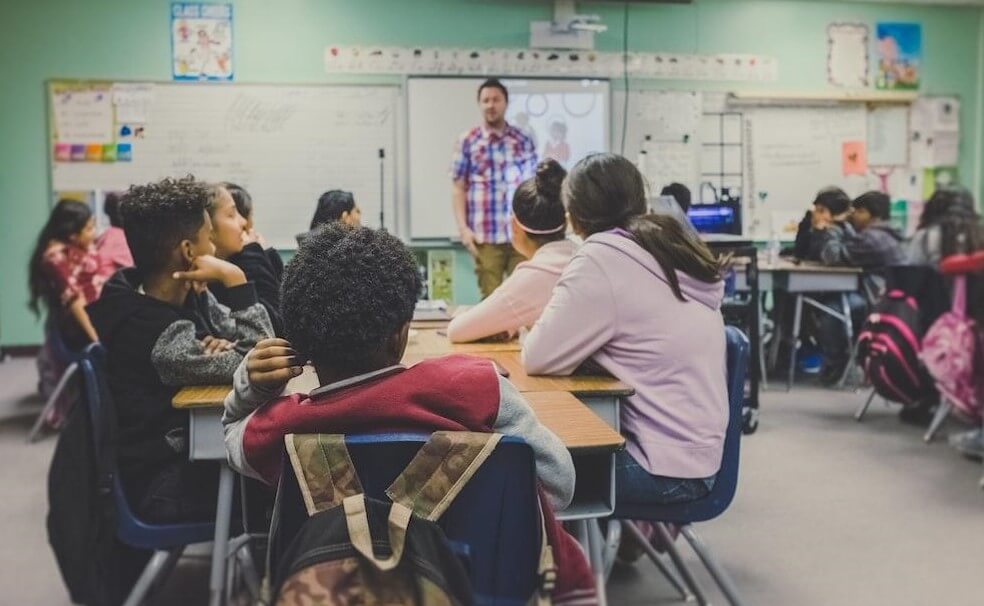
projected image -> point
(564, 125)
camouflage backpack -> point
(353, 549)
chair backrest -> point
(494, 522)
(726, 481)
(102, 414)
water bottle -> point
(774, 247)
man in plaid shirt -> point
(490, 162)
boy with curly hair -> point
(160, 337)
(348, 298)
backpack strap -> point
(324, 470)
(440, 469)
(357, 520)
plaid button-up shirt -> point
(492, 166)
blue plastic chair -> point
(70, 358)
(720, 497)
(493, 524)
(167, 541)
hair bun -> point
(549, 177)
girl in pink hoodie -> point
(641, 299)
(538, 233)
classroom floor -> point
(828, 511)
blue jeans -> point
(636, 486)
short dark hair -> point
(833, 199)
(680, 193)
(878, 204)
(331, 205)
(158, 216)
(493, 83)
(346, 292)
(244, 201)
(111, 206)
(537, 204)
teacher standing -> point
(490, 162)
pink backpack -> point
(948, 351)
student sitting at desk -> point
(113, 250)
(641, 299)
(827, 220)
(157, 343)
(539, 224)
(870, 241)
(354, 331)
(334, 206)
(948, 216)
(65, 274)
(237, 241)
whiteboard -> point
(441, 110)
(666, 124)
(286, 144)
(795, 152)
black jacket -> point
(153, 349)
(265, 269)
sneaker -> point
(969, 443)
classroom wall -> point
(284, 41)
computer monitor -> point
(720, 218)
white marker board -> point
(286, 144)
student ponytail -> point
(537, 205)
(606, 191)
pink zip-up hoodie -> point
(520, 300)
(614, 305)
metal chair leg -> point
(50, 403)
(864, 407)
(680, 565)
(794, 342)
(654, 557)
(941, 414)
(148, 578)
(721, 577)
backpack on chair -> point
(889, 348)
(356, 549)
(948, 350)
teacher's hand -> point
(468, 240)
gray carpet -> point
(828, 512)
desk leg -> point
(849, 331)
(596, 545)
(220, 548)
(794, 343)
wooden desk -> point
(434, 342)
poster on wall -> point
(201, 41)
(899, 55)
(847, 55)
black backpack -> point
(353, 548)
(888, 350)
(97, 569)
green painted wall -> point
(283, 41)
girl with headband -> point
(539, 227)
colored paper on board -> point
(854, 158)
(899, 55)
(109, 153)
(94, 152)
(63, 152)
(124, 152)
(78, 153)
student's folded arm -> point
(834, 250)
(496, 314)
(180, 358)
(245, 320)
(242, 400)
(554, 466)
(577, 322)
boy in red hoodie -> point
(348, 298)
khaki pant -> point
(493, 262)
